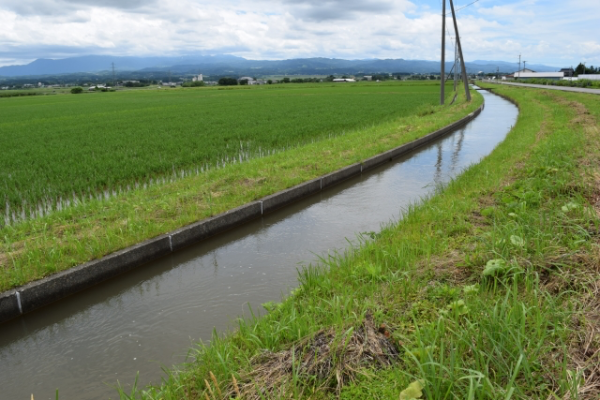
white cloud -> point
(550, 32)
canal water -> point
(149, 318)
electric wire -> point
(463, 7)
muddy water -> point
(148, 318)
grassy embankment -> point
(582, 83)
(487, 290)
(38, 247)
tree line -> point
(582, 69)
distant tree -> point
(243, 81)
(228, 82)
(580, 69)
(193, 84)
(270, 82)
(77, 90)
(285, 80)
(330, 78)
(380, 77)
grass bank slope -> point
(487, 290)
(93, 227)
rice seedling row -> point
(60, 150)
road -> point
(563, 88)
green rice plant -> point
(59, 151)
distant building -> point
(539, 75)
(344, 80)
(368, 77)
(99, 86)
(593, 77)
(198, 78)
(250, 80)
(569, 72)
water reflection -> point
(150, 316)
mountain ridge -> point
(222, 64)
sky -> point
(551, 32)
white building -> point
(592, 77)
(344, 80)
(539, 75)
(249, 79)
(198, 78)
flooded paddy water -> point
(149, 318)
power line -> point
(463, 7)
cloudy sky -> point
(552, 32)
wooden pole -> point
(460, 53)
(443, 74)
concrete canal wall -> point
(24, 299)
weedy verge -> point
(488, 290)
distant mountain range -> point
(237, 66)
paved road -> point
(563, 88)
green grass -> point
(96, 226)
(59, 149)
(488, 289)
(15, 93)
(583, 83)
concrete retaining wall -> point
(16, 302)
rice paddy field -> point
(65, 149)
(83, 176)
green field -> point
(77, 146)
(54, 241)
(488, 290)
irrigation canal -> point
(149, 318)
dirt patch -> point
(10, 252)
(251, 182)
(447, 267)
(346, 154)
(3, 260)
(326, 361)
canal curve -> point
(149, 318)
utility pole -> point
(462, 59)
(443, 74)
(524, 65)
(456, 61)
(113, 69)
(519, 71)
